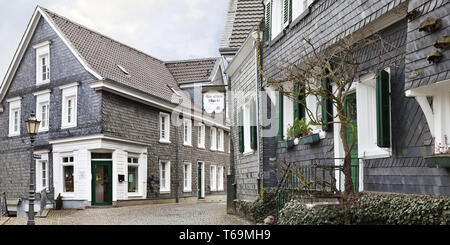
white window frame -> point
(201, 136)
(14, 123)
(187, 182)
(69, 92)
(166, 118)
(315, 106)
(247, 134)
(67, 164)
(299, 7)
(166, 187)
(135, 164)
(213, 138)
(42, 50)
(367, 119)
(220, 172)
(220, 140)
(187, 132)
(288, 115)
(43, 99)
(213, 177)
(39, 172)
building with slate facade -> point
(116, 125)
(414, 155)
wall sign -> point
(213, 102)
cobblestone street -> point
(162, 214)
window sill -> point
(164, 142)
(39, 83)
(299, 18)
(375, 153)
(133, 194)
(164, 192)
(248, 153)
(43, 131)
(187, 191)
(188, 145)
(13, 135)
(201, 147)
(68, 126)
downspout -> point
(258, 136)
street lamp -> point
(32, 125)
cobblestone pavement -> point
(162, 214)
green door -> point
(101, 183)
(350, 108)
(200, 166)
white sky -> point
(166, 29)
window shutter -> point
(280, 116)
(383, 117)
(287, 12)
(241, 131)
(267, 24)
(253, 132)
(326, 103)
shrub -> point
(258, 210)
(59, 202)
(296, 212)
(372, 209)
(398, 209)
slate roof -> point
(244, 16)
(102, 54)
(192, 70)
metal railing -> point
(315, 178)
(3, 205)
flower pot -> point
(439, 161)
(310, 139)
(286, 144)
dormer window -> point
(42, 62)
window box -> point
(286, 144)
(310, 139)
(438, 161)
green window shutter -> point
(280, 116)
(299, 108)
(253, 129)
(241, 130)
(267, 24)
(327, 105)
(287, 12)
(383, 112)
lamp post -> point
(32, 125)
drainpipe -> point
(258, 136)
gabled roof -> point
(242, 17)
(195, 70)
(102, 56)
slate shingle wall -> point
(420, 44)
(64, 69)
(405, 172)
(131, 120)
(243, 87)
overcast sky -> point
(166, 29)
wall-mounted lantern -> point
(434, 57)
(443, 42)
(430, 25)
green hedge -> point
(373, 209)
(258, 210)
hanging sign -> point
(213, 102)
(36, 156)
